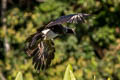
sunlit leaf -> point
(19, 76)
(69, 74)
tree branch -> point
(4, 26)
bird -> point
(40, 45)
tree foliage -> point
(98, 38)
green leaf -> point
(72, 75)
(19, 76)
(69, 73)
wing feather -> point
(72, 18)
(42, 54)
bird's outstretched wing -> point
(42, 52)
(72, 18)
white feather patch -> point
(45, 31)
(49, 34)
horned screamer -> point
(40, 45)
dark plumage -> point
(72, 18)
(40, 45)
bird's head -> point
(69, 31)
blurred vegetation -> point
(94, 51)
(67, 76)
(19, 76)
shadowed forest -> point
(93, 51)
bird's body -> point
(40, 45)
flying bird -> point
(40, 45)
